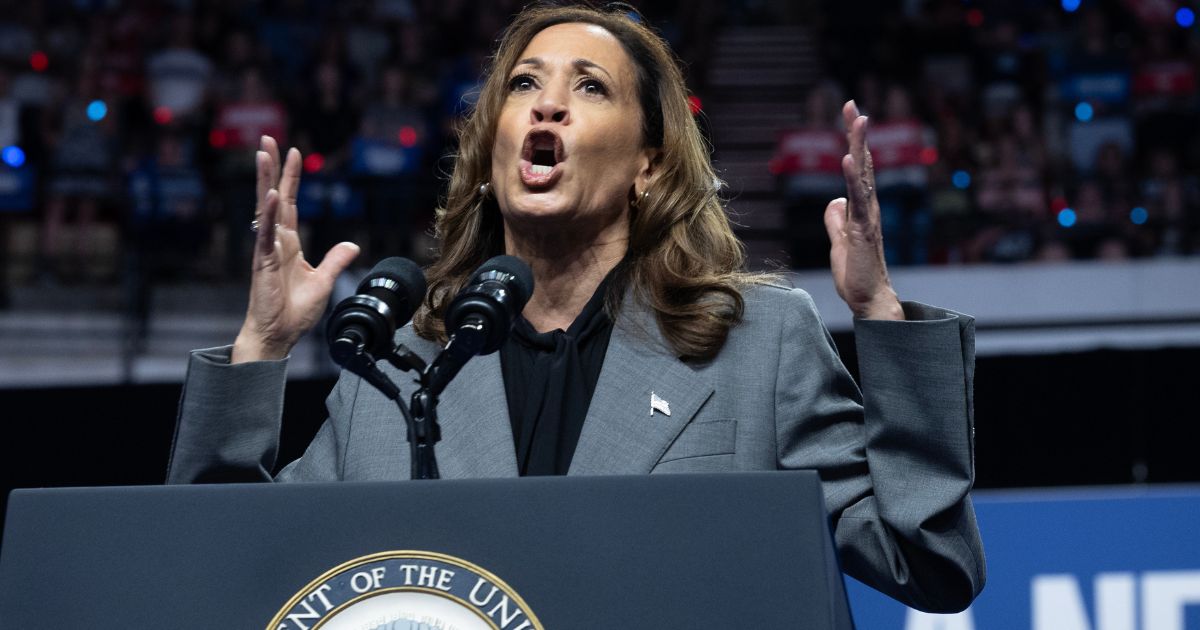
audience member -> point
(80, 133)
(995, 120)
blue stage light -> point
(97, 110)
(1139, 215)
(1185, 17)
(1084, 112)
(961, 180)
(13, 156)
(1066, 217)
(1070, 6)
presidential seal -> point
(406, 590)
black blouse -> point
(549, 379)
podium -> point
(748, 550)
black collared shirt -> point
(549, 379)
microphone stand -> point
(421, 415)
(423, 433)
(421, 418)
(421, 422)
(425, 430)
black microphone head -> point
(387, 298)
(398, 283)
(494, 296)
(402, 276)
(519, 276)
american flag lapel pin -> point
(659, 405)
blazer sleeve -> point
(227, 429)
(896, 460)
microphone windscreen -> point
(410, 290)
(521, 274)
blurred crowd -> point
(130, 126)
(1009, 131)
(1002, 131)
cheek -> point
(507, 144)
(619, 148)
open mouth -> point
(540, 155)
(542, 161)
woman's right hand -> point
(287, 295)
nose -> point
(550, 107)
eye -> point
(593, 87)
(521, 83)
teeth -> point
(540, 169)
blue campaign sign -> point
(324, 195)
(1085, 559)
(383, 159)
(1103, 87)
(16, 188)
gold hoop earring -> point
(639, 199)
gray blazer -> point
(896, 460)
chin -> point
(538, 206)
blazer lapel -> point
(622, 433)
(476, 431)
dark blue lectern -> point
(746, 550)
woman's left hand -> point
(856, 256)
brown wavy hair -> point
(683, 260)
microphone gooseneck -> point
(478, 321)
(362, 329)
(481, 316)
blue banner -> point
(328, 195)
(384, 159)
(1087, 559)
(1100, 87)
(16, 188)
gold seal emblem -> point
(406, 590)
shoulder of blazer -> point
(424, 348)
(776, 303)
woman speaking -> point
(645, 348)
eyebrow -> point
(579, 64)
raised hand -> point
(287, 295)
(856, 256)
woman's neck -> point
(566, 272)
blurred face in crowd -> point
(329, 79)
(898, 105)
(569, 144)
(1023, 123)
(239, 49)
(253, 89)
(395, 84)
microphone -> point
(367, 322)
(481, 316)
